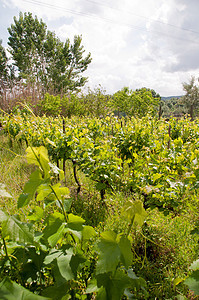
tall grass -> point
(14, 171)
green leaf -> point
(75, 225)
(62, 269)
(73, 219)
(17, 230)
(61, 192)
(180, 297)
(119, 282)
(37, 257)
(135, 210)
(114, 285)
(53, 254)
(44, 191)
(3, 216)
(54, 238)
(37, 214)
(77, 261)
(92, 286)
(54, 230)
(3, 192)
(59, 292)
(39, 157)
(109, 254)
(67, 204)
(193, 282)
(126, 253)
(87, 233)
(102, 295)
(61, 265)
(136, 282)
(11, 291)
(176, 282)
(30, 188)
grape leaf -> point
(17, 230)
(135, 209)
(11, 291)
(193, 282)
(30, 188)
(114, 285)
(195, 265)
(126, 253)
(109, 254)
(39, 157)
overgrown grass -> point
(170, 249)
(14, 172)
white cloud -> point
(132, 43)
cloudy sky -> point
(134, 43)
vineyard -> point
(109, 211)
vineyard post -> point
(169, 132)
(64, 158)
(160, 112)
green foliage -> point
(135, 103)
(173, 107)
(149, 163)
(50, 105)
(151, 158)
(192, 280)
(95, 103)
(92, 104)
(43, 59)
(190, 99)
(49, 261)
(11, 290)
(144, 103)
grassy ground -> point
(163, 249)
(14, 171)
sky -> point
(133, 43)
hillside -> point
(170, 97)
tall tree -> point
(191, 98)
(42, 58)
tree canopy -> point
(42, 58)
(135, 103)
(191, 98)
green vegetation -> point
(117, 222)
(99, 193)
